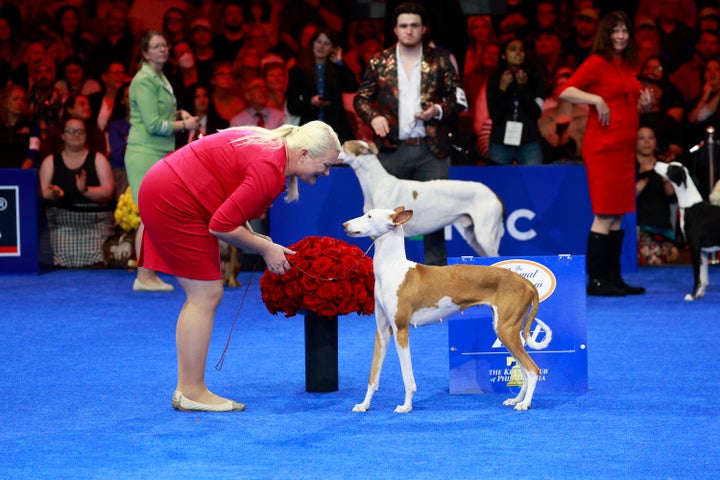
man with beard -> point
(44, 103)
(230, 41)
(410, 95)
(578, 46)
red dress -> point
(210, 184)
(609, 152)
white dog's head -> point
(674, 172)
(356, 148)
(377, 222)
(683, 184)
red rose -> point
(329, 277)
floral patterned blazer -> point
(440, 84)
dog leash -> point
(339, 277)
(220, 363)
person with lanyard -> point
(515, 95)
(410, 95)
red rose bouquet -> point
(328, 277)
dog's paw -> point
(403, 409)
(361, 407)
(522, 406)
(233, 282)
(689, 297)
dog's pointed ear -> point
(399, 209)
(373, 148)
(402, 216)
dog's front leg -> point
(700, 275)
(382, 338)
(402, 344)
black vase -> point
(321, 353)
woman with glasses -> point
(154, 119)
(77, 185)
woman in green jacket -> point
(154, 119)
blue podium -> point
(479, 363)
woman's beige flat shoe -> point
(179, 402)
(138, 286)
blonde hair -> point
(315, 136)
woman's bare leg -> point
(192, 336)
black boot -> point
(616, 241)
(597, 264)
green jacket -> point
(152, 110)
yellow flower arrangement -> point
(126, 212)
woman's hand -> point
(183, 114)
(81, 181)
(336, 55)
(275, 259)
(54, 193)
(603, 112)
(505, 80)
(521, 77)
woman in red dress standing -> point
(606, 81)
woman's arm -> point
(106, 190)
(273, 254)
(575, 95)
(45, 173)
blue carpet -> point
(87, 369)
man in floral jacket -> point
(410, 95)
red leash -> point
(219, 365)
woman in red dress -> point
(606, 81)
(208, 190)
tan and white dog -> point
(408, 293)
(474, 209)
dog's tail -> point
(529, 340)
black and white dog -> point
(699, 222)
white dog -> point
(408, 293)
(474, 209)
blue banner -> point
(479, 363)
(547, 212)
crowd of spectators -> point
(238, 62)
(59, 49)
